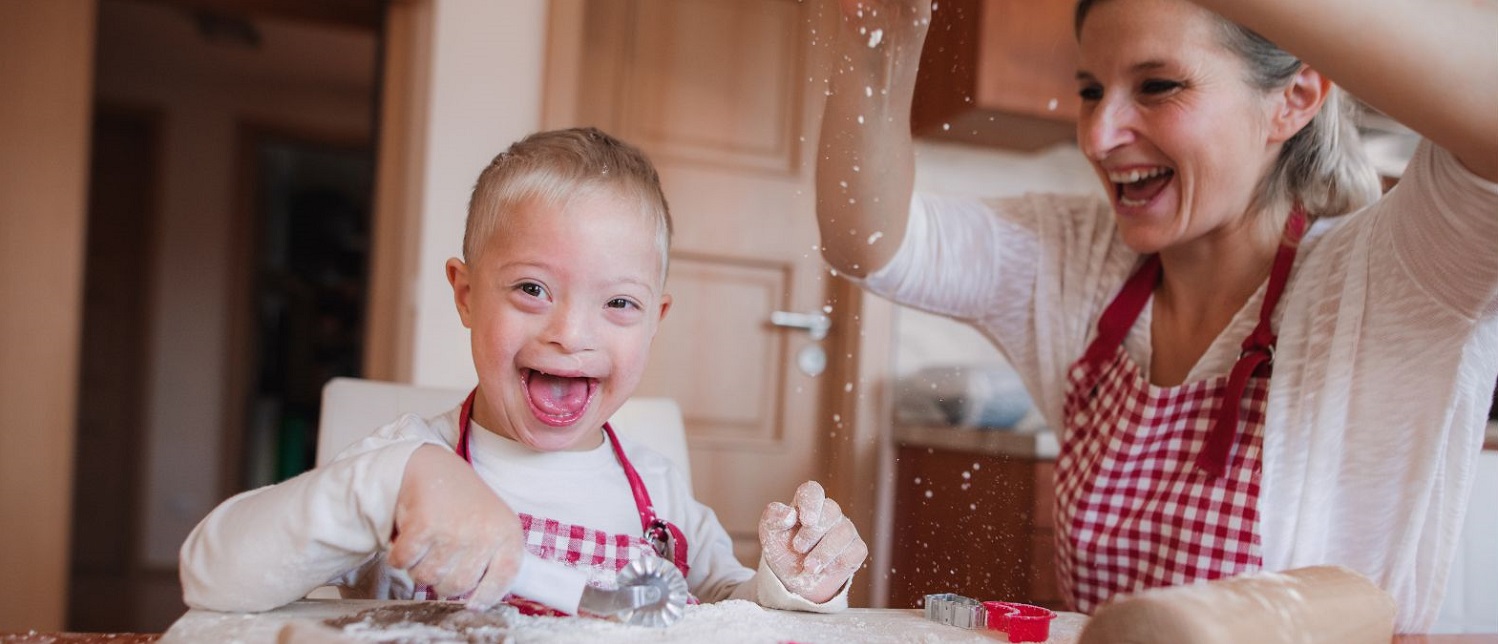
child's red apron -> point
(582, 546)
(1159, 486)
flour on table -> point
(412, 623)
(732, 621)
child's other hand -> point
(810, 545)
(452, 532)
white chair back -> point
(353, 408)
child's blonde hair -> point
(550, 168)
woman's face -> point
(1170, 122)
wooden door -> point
(725, 97)
(123, 177)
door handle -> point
(814, 324)
(811, 359)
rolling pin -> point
(1317, 605)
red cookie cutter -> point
(1021, 622)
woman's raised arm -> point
(865, 165)
(1430, 64)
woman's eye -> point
(1091, 93)
(621, 303)
(532, 289)
(1159, 86)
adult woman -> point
(1244, 375)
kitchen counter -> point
(755, 624)
(1038, 445)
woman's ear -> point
(457, 276)
(1298, 103)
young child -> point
(561, 286)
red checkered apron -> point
(582, 546)
(1158, 486)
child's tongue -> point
(558, 395)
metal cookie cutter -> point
(955, 610)
(1021, 622)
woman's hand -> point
(900, 21)
(1431, 65)
(452, 532)
(810, 545)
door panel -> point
(717, 93)
(720, 83)
(718, 308)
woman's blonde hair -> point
(1324, 166)
(552, 167)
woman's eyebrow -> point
(1145, 66)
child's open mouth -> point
(1137, 187)
(557, 400)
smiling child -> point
(562, 287)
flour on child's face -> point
(563, 303)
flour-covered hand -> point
(810, 546)
(452, 532)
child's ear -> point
(1298, 103)
(665, 306)
(457, 276)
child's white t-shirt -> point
(264, 548)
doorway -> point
(220, 96)
(308, 228)
(124, 172)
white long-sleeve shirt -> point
(267, 547)
(1383, 374)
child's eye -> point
(1159, 86)
(622, 303)
(532, 289)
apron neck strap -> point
(667, 539)
(1121, 313)
(1257, 355)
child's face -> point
(562, 304)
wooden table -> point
(860, 624)
(78, 638)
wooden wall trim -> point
(565, 33)
(859, 425)
(48, 52)
(405, 88)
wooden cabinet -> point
(974, 524)
(998, 72)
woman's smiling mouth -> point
(1137, 187)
